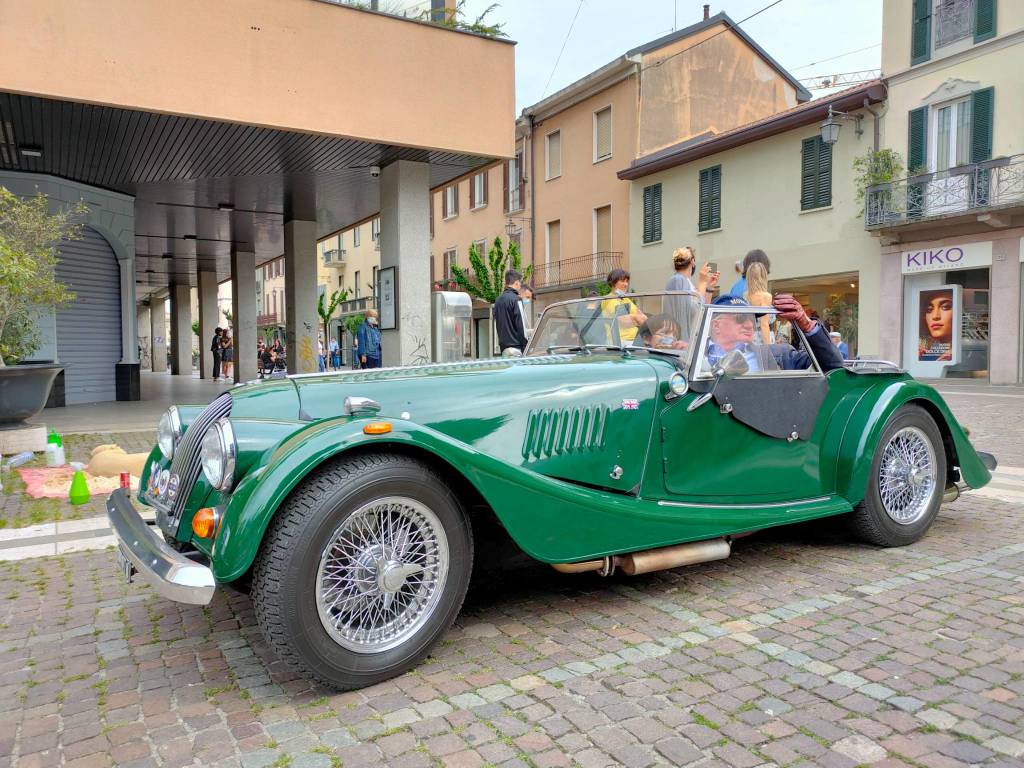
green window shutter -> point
(917, 140)
(921, 31)
(823, 191)
(984, 19)
(982, 103)
(710, 208)
(815, 174)
(652, 213)
(704, 201)
(808, 173)
(656, 213)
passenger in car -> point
(731, 331)
(660, 332)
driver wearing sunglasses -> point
(737, 330)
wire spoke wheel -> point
(907, 475)
(382, 574)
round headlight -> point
(218, 454)
(678, 385)
(168, 431)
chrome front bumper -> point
(170, 573)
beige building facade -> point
(702, 80)
(776, 187)
(953, 224)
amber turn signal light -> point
(204, 524)
(377, 428)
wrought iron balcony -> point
(268, 319)
(579, 270)
(967, 189)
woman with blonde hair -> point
(758, 295)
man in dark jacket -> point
(508, 317)
(215, 348)
(731, 331)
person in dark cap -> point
(731, 331)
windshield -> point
(665, 321)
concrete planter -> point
(23, 391)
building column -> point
(158, 333)
(300, 291)
(209, 317)
(890, 305)
(405, 244)
(243, 311)
(127, 376)
(129, 332)
(142, 325)
(1004, 346)
(181, 323)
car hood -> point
(572, 416)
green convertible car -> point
(635, 434)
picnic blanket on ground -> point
(54, 482)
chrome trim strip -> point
(773, 505)
(171, 574)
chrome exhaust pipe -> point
(650, 560)
(664, 558)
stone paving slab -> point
(801, 649)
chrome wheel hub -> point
(382, 574)
(907, 475)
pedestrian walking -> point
(508, 317)
(215, 348)
(335, 351)
(368, 338)
(227, 353)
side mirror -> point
(733, 365)
(697, 402)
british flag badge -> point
(630, 404)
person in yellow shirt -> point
(621, 307)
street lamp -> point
(830, 128)
(511, 228)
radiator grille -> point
(186, 463)
(552, 432)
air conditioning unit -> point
(334, 258)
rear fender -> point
(866, 424)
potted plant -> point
(29, 239)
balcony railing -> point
(267, 319)
(354, 306)
(578, 270)
(967, 189)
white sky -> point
(796, 33)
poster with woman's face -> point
(939, 324)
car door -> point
(757, 439)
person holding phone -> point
(684, 262)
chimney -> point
(707, 11)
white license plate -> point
(125, 566)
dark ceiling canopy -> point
(204, 187)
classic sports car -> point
(635, 434)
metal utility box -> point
(451, 326)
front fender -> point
(864, 431)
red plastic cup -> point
(126, 479)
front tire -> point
(362, 570)
(907, 480)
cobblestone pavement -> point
(803, 648)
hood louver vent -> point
(569, 430)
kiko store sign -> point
(943, 258)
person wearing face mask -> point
(368, 337)
(622, 308)
(660, 332)
(526, 307)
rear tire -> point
(907, 480)
(362, 570)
